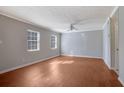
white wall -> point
(106, 43)
(88, 43)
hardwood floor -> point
(62, 71)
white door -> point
(115, 43)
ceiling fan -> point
(72, 28)
(72, 25)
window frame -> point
(56, 46)
(37, 40)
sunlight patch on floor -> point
(62, 62)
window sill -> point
(33, 50)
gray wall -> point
(88, 43)
(106, 44)
(121, 43)
(13, 45)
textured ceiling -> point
(59, 18)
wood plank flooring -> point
(62, 72)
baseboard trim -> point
(107, 64)
(121, 81)
(28, 64)
(81, 56)
(112, 68)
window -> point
(53, 41)
(33, 40)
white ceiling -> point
(59, 18)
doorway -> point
(115, 43)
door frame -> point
(114, 44)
